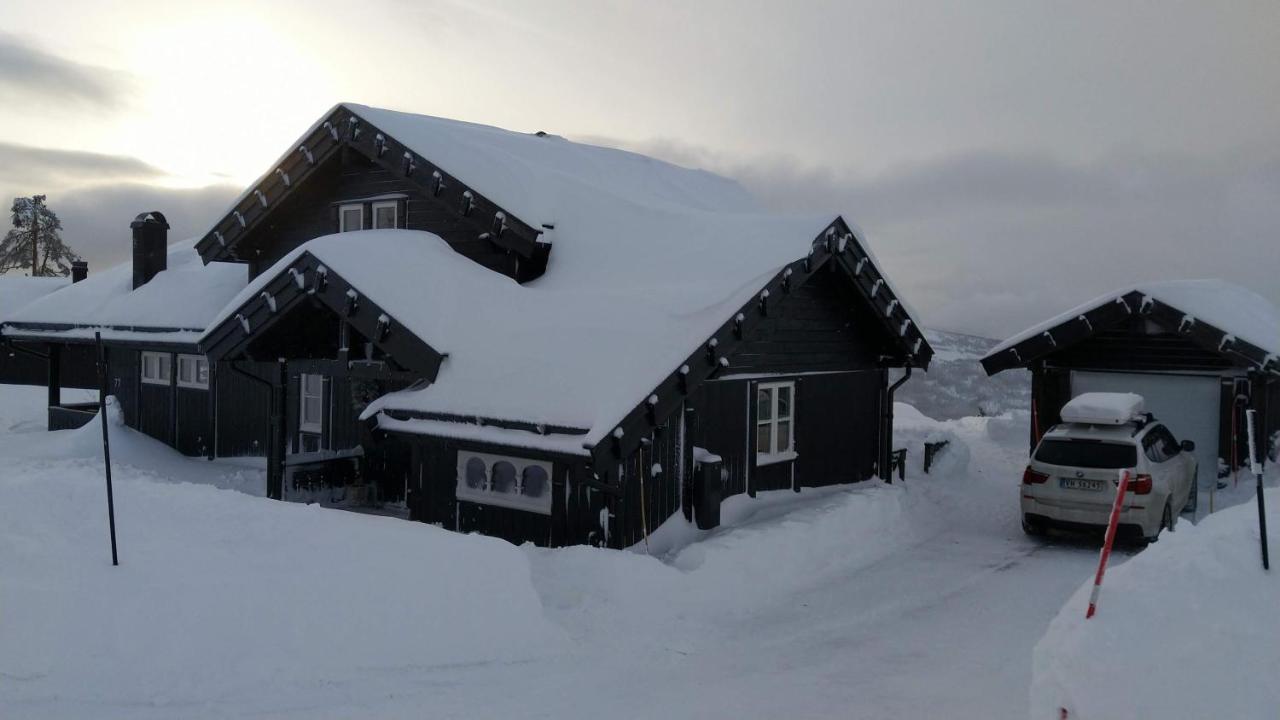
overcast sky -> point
(1006, 160)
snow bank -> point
(221, 597)
(25, 408)
(913, 429)
(1186, 629)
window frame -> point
(164, 368)
(513, 500)
(196, 383)
(395, 214)
(774, 421)
(342, 216)
(304, 425)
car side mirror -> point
(1188, 446)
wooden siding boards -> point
(311, 212)
(243, 407)
(344, 133)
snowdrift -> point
(1187, 629)
(912, 429)
(220, 595)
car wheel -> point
(1193, 488)
(1166, 521)
(1032, 528)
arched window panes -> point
(534, 481)
(504, 477)
(475, 473)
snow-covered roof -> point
(19, 290)
(1236, 311)
(174, 306)
(619, 310)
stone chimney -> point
(150, 246)
(79, 270)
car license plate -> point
(1081, 484)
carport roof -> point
(1219, 316)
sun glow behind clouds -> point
(208, 75)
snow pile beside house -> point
(220, 594)
(1186, 629)
(913, 430)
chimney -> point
(79, 270)
(150, 246)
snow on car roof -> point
(1226, 306)
(1103, 408)
(179, 301)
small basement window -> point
(350, 217)
(510, 482)
(775, 422)
(385, 214)
(156, 368)
(193, 372)
(310, 403)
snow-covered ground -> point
(1187, 629)
(911, 600)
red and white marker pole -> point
(1110, 540)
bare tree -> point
(35, 240)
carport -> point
(1199, 351)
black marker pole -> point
(1257, 472)
(106, 443)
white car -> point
(1072, 477)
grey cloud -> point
(29, 74)
(993, 242)
(95, 221)
(30, 169)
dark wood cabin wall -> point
(817, 326)
(79, 366)
(1050, 391)
(1135, 346)
(649, 498)
(312, 212)
(837, 427)
(20, 368)
(243, 408)
(193, 421)
(124, 382)
(433, 498)
(1271, 411)
(722, 427)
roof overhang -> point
(1113, 310)
(306, 279)
(342, 129)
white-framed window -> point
(775, 422)
(510, 482)
(385, 214)
(350, 217)
(156, 368)
(311, 403)
(193, 372)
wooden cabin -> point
(1200, 352)
(509, 333)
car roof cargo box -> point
(1103, 408)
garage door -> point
(1188, 405)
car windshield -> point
(1087, 454)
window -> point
(508, 482)
(350, 217)
(311, 403)
(1095, 454)
(1159, 445)
(193, 372)
(156, 368)
(775, 424)
(384, 214)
